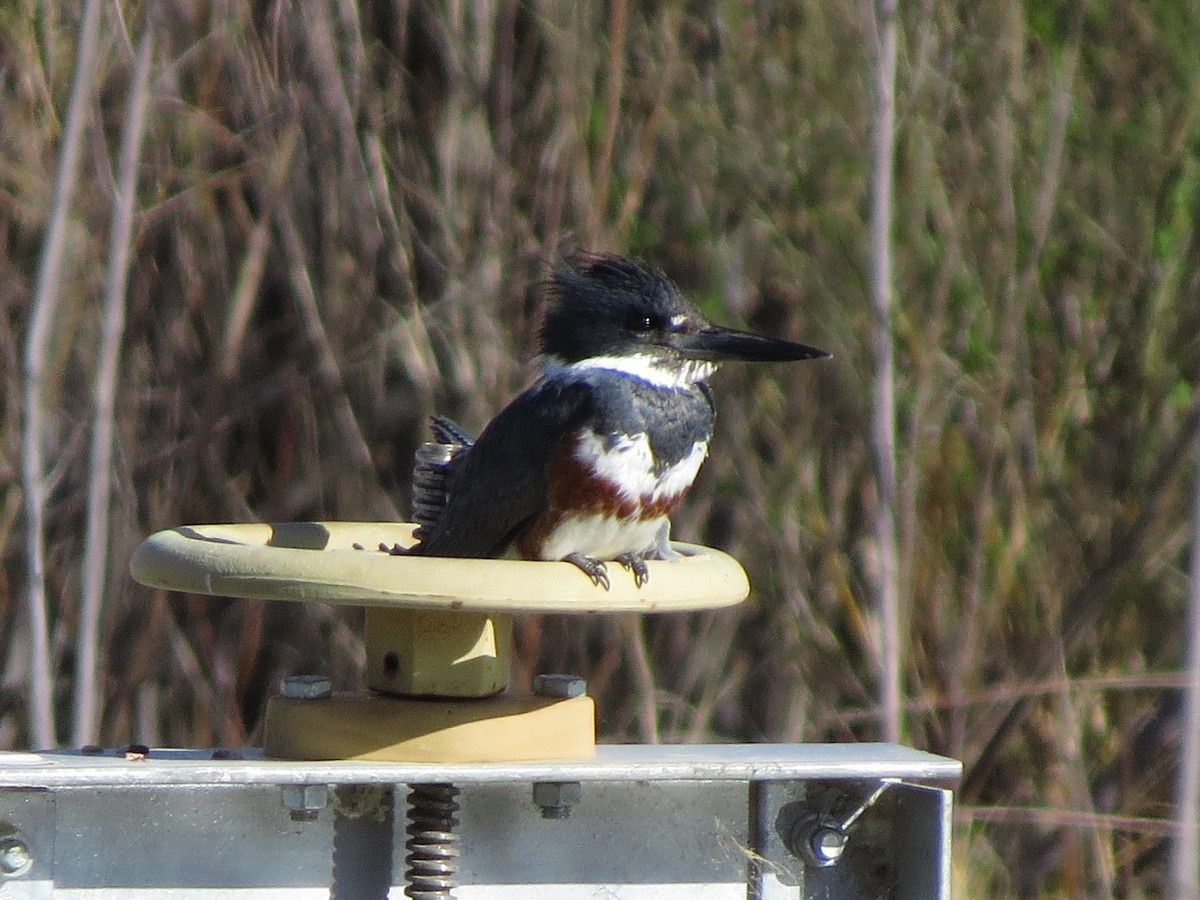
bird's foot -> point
(661, 548)
(636, 564)
(394, 550)
(592, 568)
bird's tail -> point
(431, 470)
(447, 431)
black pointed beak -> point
(715, 343)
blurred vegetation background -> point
(339, 211)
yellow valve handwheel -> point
(438, 632)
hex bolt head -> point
(305, 801)
(306, 687)
(559, 687)
(15, 857)
(557, 797)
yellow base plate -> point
(504, 728)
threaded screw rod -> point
(433, 847)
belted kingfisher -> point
(588, 462)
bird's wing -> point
(500, 483)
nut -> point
(559, 686)
(305, 801)
(818, 840)
(557, 797)
(827, 844)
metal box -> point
(708, 821)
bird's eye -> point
(643, 322)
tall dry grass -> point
(339, 209)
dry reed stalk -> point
(602, 174)
(94, 577)
(250, 274)
(883, 405)
(646, 695)
(1070, 818)
(45, 308)
(1184, 876)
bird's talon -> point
(637, 565)
(592, 568)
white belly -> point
(601, 537)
